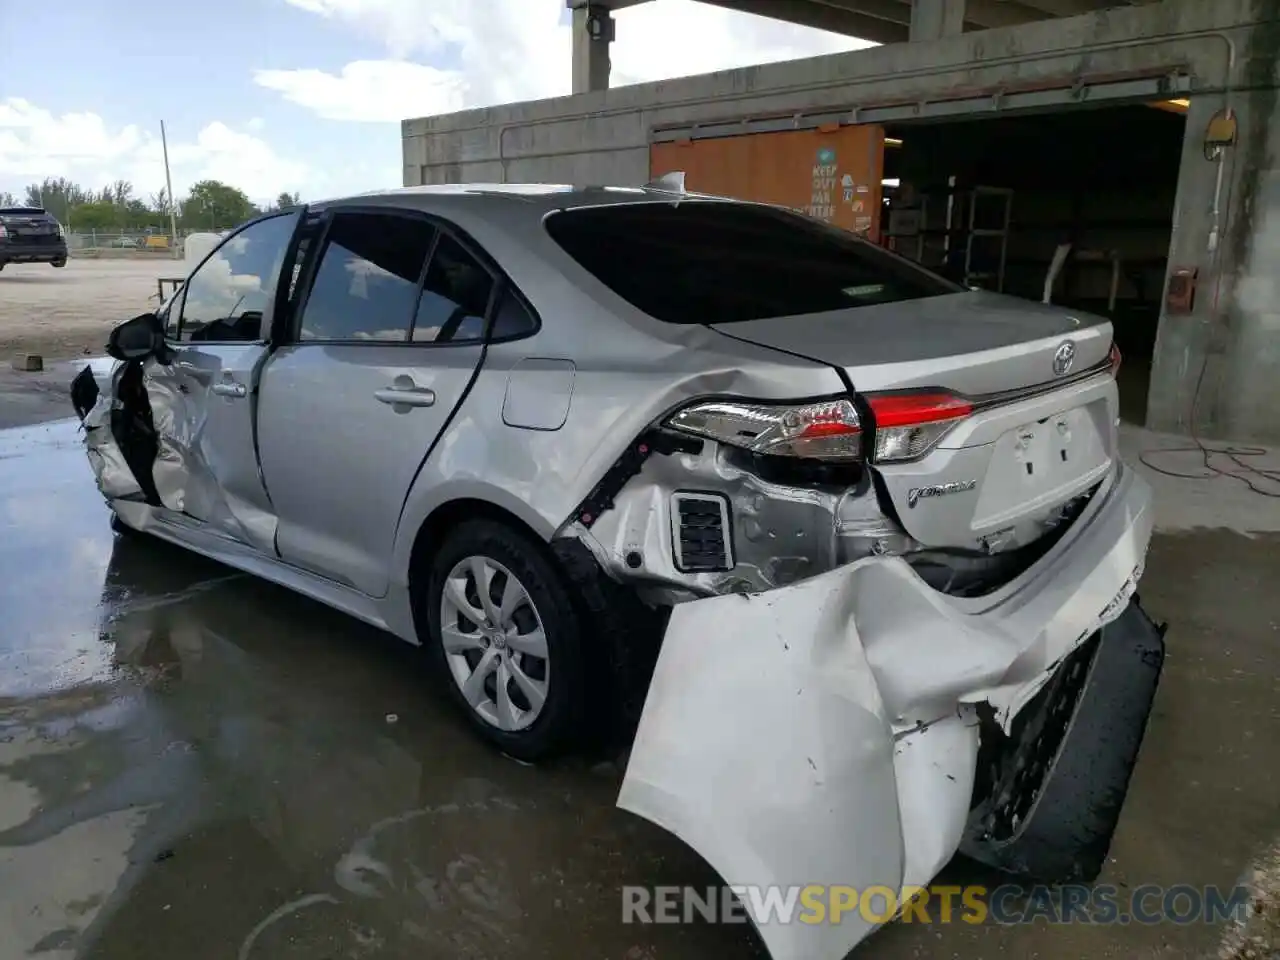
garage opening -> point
(1077, 200)
(1078, 205)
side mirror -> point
(136, 339)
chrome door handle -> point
(229, 389)
(406, 396)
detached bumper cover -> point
(828, 732)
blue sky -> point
(307, 95)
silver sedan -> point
(861, 537)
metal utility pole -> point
(168, 186)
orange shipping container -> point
(832, 174)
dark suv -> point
(31, 235)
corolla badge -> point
(916, 494)
(1063, 358)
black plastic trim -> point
(1079, 791)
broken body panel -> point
(828, 732)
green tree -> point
(213, 205)
(287, 201)
(7, 199)
(98, 215)
(58, 195)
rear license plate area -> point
(1040, 463)
(1057, 448)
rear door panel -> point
(375, 361)
(338, 460)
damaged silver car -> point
(860, 538)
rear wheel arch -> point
(472, 528)
(436, 526)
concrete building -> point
(1170, 217)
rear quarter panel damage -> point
(827, 732)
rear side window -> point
(366, 285)
(455, 296)
(712, 262)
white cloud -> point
(35, 144)
(441, 56)
(500, 51)
(386, 90)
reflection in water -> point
(224, 782)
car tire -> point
(59, 264)
(500, 650)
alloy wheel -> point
(494, 643)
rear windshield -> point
(22, 211)
(704, 261)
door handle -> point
(406, 396)
(229, 388)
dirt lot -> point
(66, 313)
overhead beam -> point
(1069, 8)
(936, 19)
(895, 11)
(838, 18)
(1002, 13)
(602, 4)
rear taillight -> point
(909, 424)
(1113, 358)
(820, 430)
(3, 232)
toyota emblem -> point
(1063, 357)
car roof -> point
(537, 198)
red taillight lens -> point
(3, 232)
(818, 430)
(1114, 359)
(909, 424)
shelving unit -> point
(972, 222)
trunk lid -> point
(974, 343)
(1038, 437)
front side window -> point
(227, 296)
(366, 285)
(718, 262)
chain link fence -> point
(126, 243)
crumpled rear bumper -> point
(828, 732)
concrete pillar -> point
(592, 33)
(935, 19)
(1223, 358)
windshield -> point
(702, 261)
(22, 212)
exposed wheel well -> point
(438, 523)
(624, 632)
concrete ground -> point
(196, 763)
(68, 312)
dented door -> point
(204, 397)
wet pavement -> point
(197, 764)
